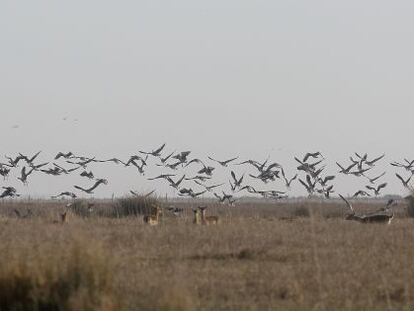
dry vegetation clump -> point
(302, 211)
(50, 276)
(135, 206)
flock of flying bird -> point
(199, 174)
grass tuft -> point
(135, 206)
(62, 279)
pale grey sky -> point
(248, 78)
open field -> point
(282, 256)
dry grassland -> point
(260, 257)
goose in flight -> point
(149, 194)
(360, 172)
(315, 173)
(288, 181)
(324, 181)
(28, 160)
(404, 181)
(87, 174)
(259, 166)
(408, 166)
(83, 161)
(232, 187)
(162, 176)
(307, 167)
(116, 161)
(373, 161)
(224, 163)
(135, 193)
(208, 188)
(373, 180)
(362, 158)
(346, 170)
(139, 168)
(9, 192)
(36, 167)
(173, 166)
(198, 177)
(237, 182)
(175, 184)
(266, 176)
(310, 187)
(225, 197)
(24, 175)
(314, 155)
(249, 189)
(4, 171)
(156, 152)
(182, 156)
(55, 171)
(67, 155)
(63, 194)
(135, 158)
(97, 183)
(361, 193)
(66, 171)
(190, 192)
(14, 162)
(378, 189)
(164, 160)
(327, 191)
(208, 170)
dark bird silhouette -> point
(373, 180)
(87, 174)
(64, 155)
(288, 181)
(24, 175)
(404, 181)
(90, 190)
(314, 155)
(9, 192)
(156, 152)
(224, 163)
(65, 194)
(378, 189)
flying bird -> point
(90, 190)
(378, 189)
(225, 162)
(156, 152)
(404, 181)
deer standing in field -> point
(153, 219)
(207, 220)
(63, 218)
(197, 217)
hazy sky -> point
(248, 78)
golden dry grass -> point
(257, 258)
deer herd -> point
(200, 217)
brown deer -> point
(63, 218)
(197, 219)
(207, 220)
(153, 219)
